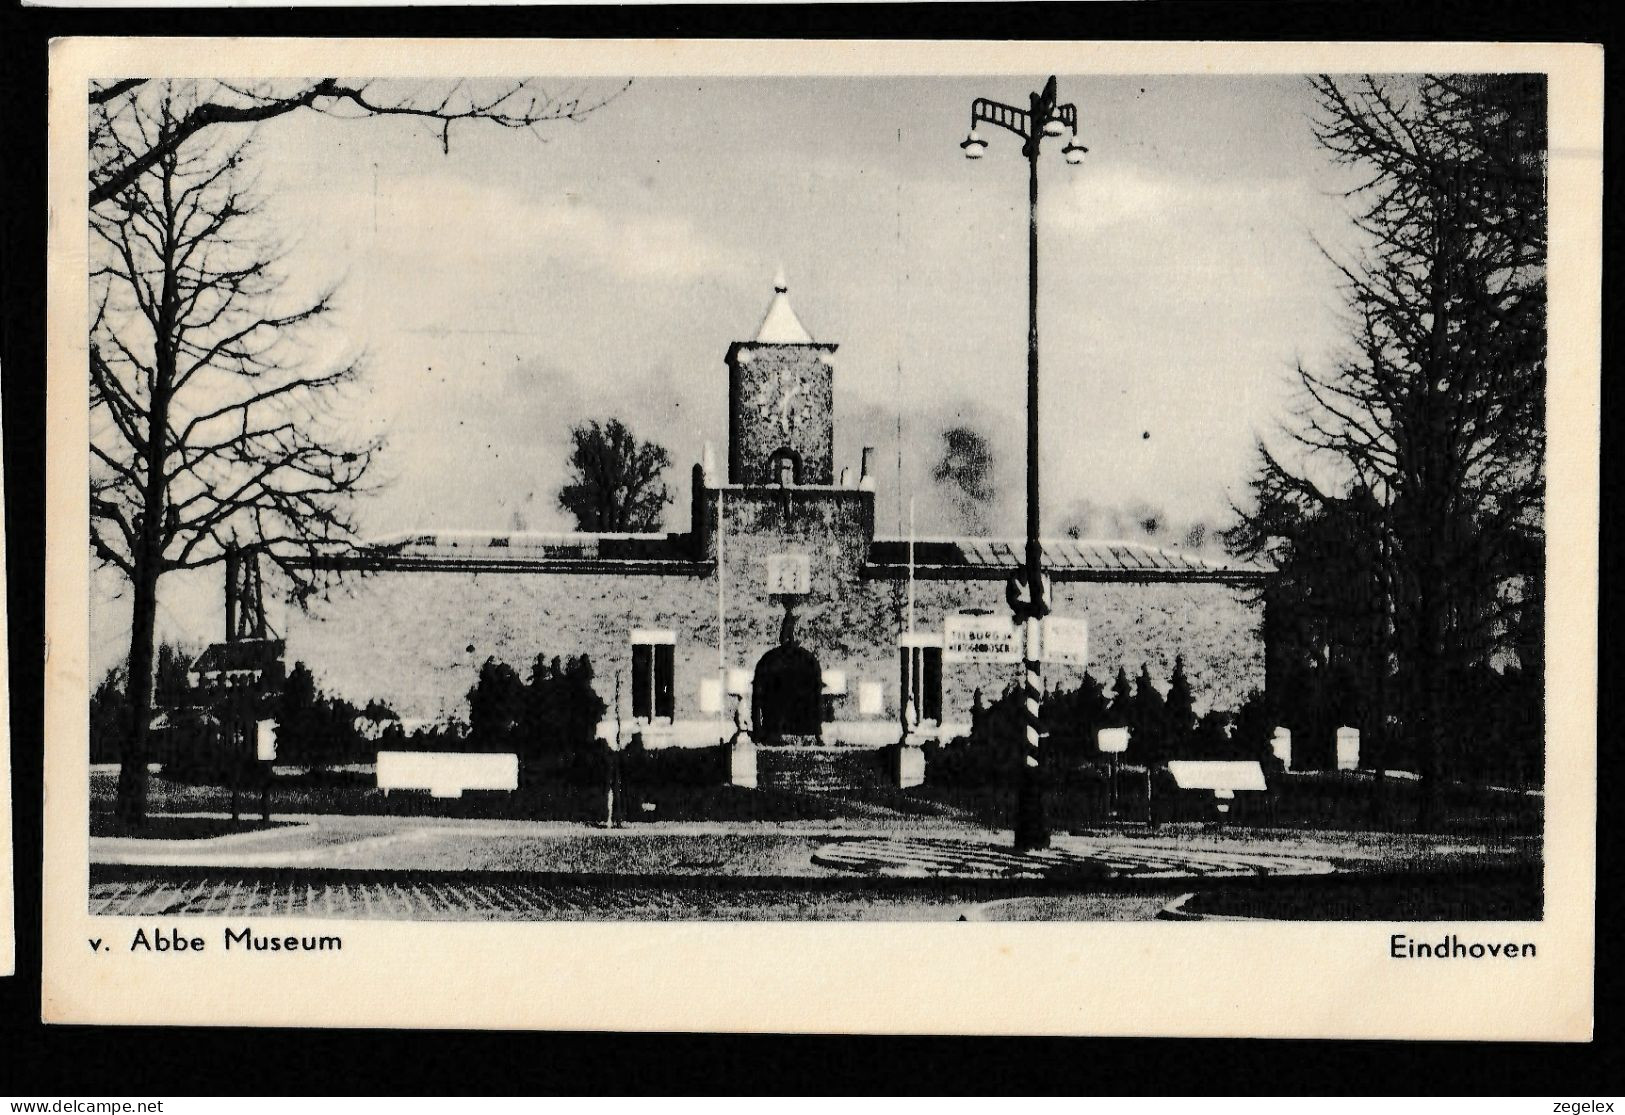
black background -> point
(65, 1061)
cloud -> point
(1097, 201)
(456, 218)
(1104, 198)
(966, 470)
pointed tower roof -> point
(780, 326)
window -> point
(920, 677)
(653, 674)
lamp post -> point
(1029, 591)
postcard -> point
(8, 919)
(996, 538)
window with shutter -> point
(642, 675)
(931, 684)
(665, 668)
(920, 680)
(653, 674)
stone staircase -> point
(830, 771)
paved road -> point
(397, 896)
(437, 869)
(806, 850)
(1068, 858)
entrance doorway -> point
(787, 694)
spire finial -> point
(780, 325)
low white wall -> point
(1217, 774)
(446, 774)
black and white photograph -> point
(1058, 496)
(575, 499)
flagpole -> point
(722, 615)
(912, 652)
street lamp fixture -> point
(1028, 589)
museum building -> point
(776, 597)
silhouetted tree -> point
(496, 704)
(172, 679)
(1180, 706)
(1149, 720)
(616, 481)
(377, 710)
(557, 733)
(313, 728)
(1425, 444)
(1073, 718)
(109, 717)
(1122, 702)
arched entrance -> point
(787, 694)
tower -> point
(781, 418)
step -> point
(817, 771)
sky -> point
(517, 284)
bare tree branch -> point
(516, 105)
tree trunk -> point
(1431, 678)
(147, 555)
(131, 802)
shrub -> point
(675, 766)
(109, 718)
(496, 703)
(1161, 728)
(314, 729)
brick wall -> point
(415, 639)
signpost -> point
(968, 637)
(1113, 741)
(1066, 640)
(973, 638)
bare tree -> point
(213, 419)
(1435, 421)
(616, 480)
(116, 162)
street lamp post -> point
(1029, 591)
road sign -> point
(980, 639)
(788, 575)
(1112, 740)
(1020, 597)
(1066, 640)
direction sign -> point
(980, 639)
(1066, 640)
(1020, 597)
(789, 574)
